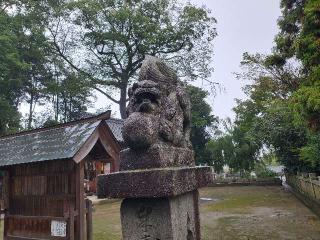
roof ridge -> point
(103, 116)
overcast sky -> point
(243, 26)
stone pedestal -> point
(156, 157)
(161, 218)
(159, 203)
(153, 183)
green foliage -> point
(264, 120)
(202, 120)
(310, 153)
(49, 123)
(235, 149)
(12, 69)
(289, 23)
(114, 38)
(55, 53)
(277, 130)
(261, 171)
(306, 100)
(9, 118)
(308, 44)
(245, 150)
(71, 96)
(216, 148)
(270, 158)
(282, 111)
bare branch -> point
(107, 95)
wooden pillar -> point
(80, 203)
(89, 219)
(112, 166)
(6, 190)
(6, 202)
(5, 227)
(71, 222)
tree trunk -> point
(30, 111)
(65, 110)
(123, 99)
(56, 115)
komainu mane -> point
(159, 109)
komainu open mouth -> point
(151, 94)
(147, 99)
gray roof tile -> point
(45, 144)
(116, 127)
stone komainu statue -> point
(158, 117)
(159, 110)
(157, 178)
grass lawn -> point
(1, 229)
(254, 213)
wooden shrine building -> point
(44, 171)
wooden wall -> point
(39, 193)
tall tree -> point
(48, 80)
(290, 26)
(34, 51)
(221, 146)
(106, 41)
(283, 108)
(69, 94)
(202, 121)
(306, 101)
(265, 116)
(12, 71)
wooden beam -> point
(105, 132)
(38, 217)
(5, 227)
(89, 219)
(71, 222)
(80, 203)
(110, 145)
(11, 237)
(6, 201)
(6, 190)
(86, 147)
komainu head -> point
(158, 109)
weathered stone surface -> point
(158, 110)
(162, 182)
(157, 177)
(161, 218)
(156, 157)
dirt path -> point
(256, 213)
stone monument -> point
(158, 179)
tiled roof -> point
(116, 127)
(51, 144)
(58, 142)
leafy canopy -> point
(202, 122)
(106, 41)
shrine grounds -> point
(245, 213)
